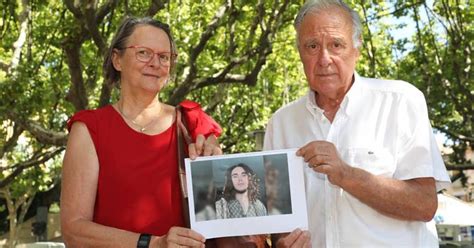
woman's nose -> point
(155, 61)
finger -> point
(200, 139)
(307, 244)
(289, 239)
(309, 155)
(212, 139)
(172, 235)
(307, 150)
(209, 145)
(326, 148)
(179, 236)
(301, 151)
(186, 232)
(323, 168)
(212, 146)
(217, 151)
(188, 242)
(192, 151)
(317, 160)
(302, 239)
(188, 237)
(309, 146)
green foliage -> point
(41, 90)
(440, 65)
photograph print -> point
(247, 193)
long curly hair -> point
(253, 189)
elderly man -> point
(373, 164)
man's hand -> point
(296, 239)
(204, 147)
(322, 157)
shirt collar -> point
(311, 105)
(348, 103)
(353, 96)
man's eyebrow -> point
(339, 40)
(311, 40)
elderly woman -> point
(120, 184)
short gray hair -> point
(125, 30)
(317, 5)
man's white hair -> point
(312, 6)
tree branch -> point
(105, 94)
(105, 9)
(371, 50)
(458, 40)
(42, 134)
(222, 76)
(206, 35)
(233, 15)
(188, 83)
(18, 45)
(265, 45)
(264, 48)
(77, 94)
(260, 51)
(454, 134)
(25, 206)
(34, 161)
(12, 141)
(434, 44)
(231, 122)
(377, 16)
(156, 6)
(216, 98)
(59, 23)
(92, 26)
(71, 6)
(256, 20)
(460, 167)
(91, 17)
(4, 67)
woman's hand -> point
(204, 147)
(179, 237)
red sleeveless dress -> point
(138, 186)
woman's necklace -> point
(140, 127)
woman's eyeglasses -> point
(145, 54)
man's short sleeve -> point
(418, 154)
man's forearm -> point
(413, 200)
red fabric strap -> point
(198, 122)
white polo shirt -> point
(382, 126)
